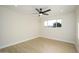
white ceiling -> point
(30, 9)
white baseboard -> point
(57, 39)
(30, 38)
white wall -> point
(77, 28)
(15, 27)
(65, 33)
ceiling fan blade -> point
(47, 10)
(45, 14)
(37, 10)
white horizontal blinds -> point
(51, 23)
(59, 21)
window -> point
(53, 23)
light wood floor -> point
(41, 45)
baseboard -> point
(30, 38)
(58, 40)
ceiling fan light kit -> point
(40, 14)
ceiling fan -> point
(41, 12)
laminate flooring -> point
(40, 45)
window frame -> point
(55, 21)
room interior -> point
(24, 29)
